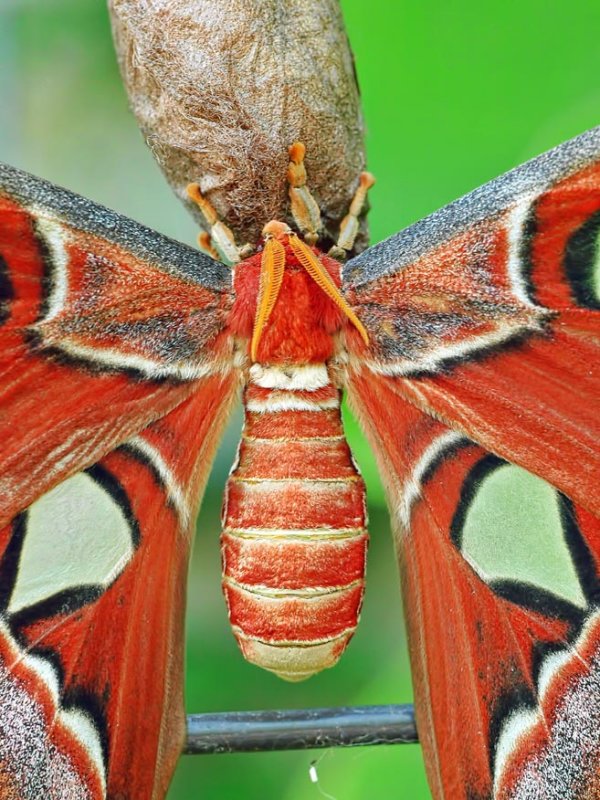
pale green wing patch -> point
(76, 535)
(512, 530)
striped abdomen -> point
(294, 540)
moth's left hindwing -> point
(485, 333)
(115, 387)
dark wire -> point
(255, 731)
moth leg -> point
(220, 242)
(205, 243)
(305, 210)
(350, 225)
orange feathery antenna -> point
(322, 278)
(272, 266)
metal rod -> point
(252, 731)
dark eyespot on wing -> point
(6, 291)
(582, 263)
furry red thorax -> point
(304, 320)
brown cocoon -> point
(222, 88)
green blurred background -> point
(454, 94)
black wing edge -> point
(532, 177)
(84, 215)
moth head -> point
(276, 230)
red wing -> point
(104, 327)
(502, 614)
(487, 316)
(93, 591)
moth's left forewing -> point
(486, 315)
(105, 327)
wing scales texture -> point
(485, 334)
(116, 383)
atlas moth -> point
(466, 344)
